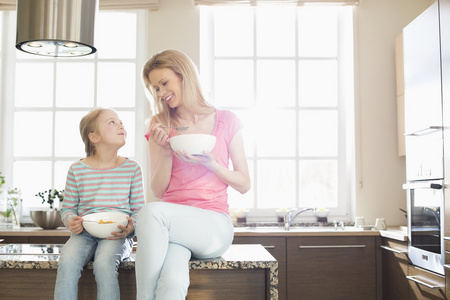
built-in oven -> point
(426, 224)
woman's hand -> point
(207, 159)
(75, 225)
(126, 231)
(159, 136)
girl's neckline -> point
(121, 163)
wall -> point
(380, 173)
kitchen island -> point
(243, 272)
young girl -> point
(193, 217)
(101, 182)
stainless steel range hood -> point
(62, 28)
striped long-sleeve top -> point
(89, 190)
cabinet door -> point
(423, 97)
(331, 268)
(395, 269)
(425, 285)
(277, 247)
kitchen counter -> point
(16, 259)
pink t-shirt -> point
(195, 185)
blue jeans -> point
(77, 252)
(168, 234)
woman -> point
(192, 218)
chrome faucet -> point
(288, 218)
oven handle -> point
(413, 278)
(423, 185)
(394, 250)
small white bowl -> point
(282, 212)
(366, 227)
(241, 213)
(194, 144)
(321, 212)
(104, 230)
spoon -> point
(181, 128)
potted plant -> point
(50, 195)
(10, 205)
(50, 218)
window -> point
(287, 72)
(45, 99)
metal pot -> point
(47, 219)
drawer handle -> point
(413, 278)
(332, 246)
(269, 247)
(394, 250)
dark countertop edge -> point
(64, 232)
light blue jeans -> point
(78, 251)
(167, 236)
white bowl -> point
(283, 211)
(194, 144)
(321, 212)
(241, 213)
(104, 230)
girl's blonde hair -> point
(88, 124)
(192, 94)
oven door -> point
(426, 224)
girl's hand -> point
(75, 225)
(126, 231)
(159, 136)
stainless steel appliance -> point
(426, 224)
(424, 141)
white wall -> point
(379, 169)
(380, 173)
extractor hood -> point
(63, 28)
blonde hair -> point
(88, 124)
(192, 94)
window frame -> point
(8, 62)
(345, 107)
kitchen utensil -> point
(380, 224)
(194, 144)
(47, 219)
(92, 225)
(181, 128)
(359, 221)
(366, 227)
(92, 221)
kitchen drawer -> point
(395, 269)
(425, 285)
(323, 268)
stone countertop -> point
(35, 256)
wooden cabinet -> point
(277, 247)
(425, 285)
(331, 268)
(394, 269)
